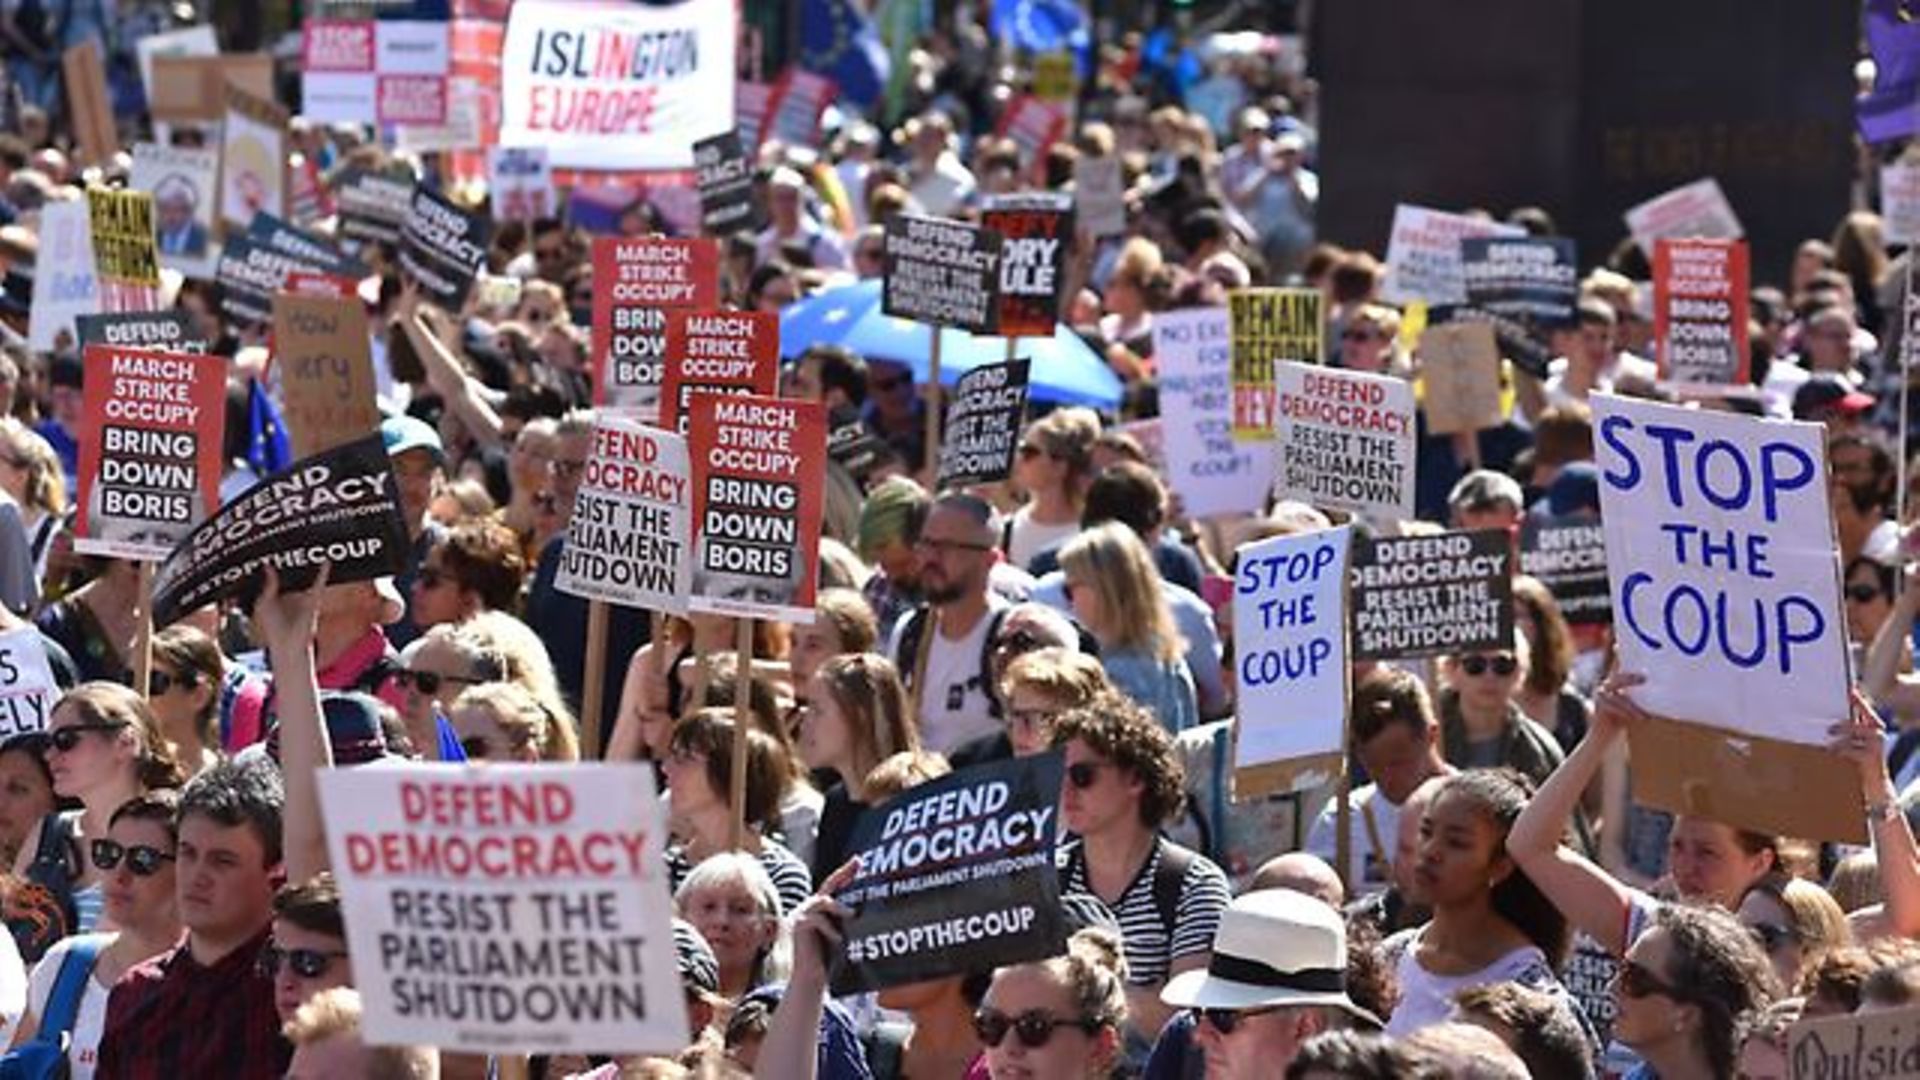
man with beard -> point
(942, 646)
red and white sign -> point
(628, 541)
(150, 449)
(794, 109)
(391, 71)
(1033, 125)
(520, 183)
(1699, 209)
(611, 85)
(759, 474)
(412, 99)
(337, 45)
(732, 352)
(1700, 311)
(1344, 440)
(636, 281)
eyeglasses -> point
(1225, 1020)
(1018, 641)
(306, 963)
(1502, 665)
(428, 682)
(1863, 594)
(1773, 938)
(1636, 981)
(1085, 774)
(64, 739)
(142, 860)
(159, 682)
(1033, 1028)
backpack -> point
(908, 659)
(44, 1057)
(38, 907)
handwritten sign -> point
(1881, 1045)
(1290, 663)
(27, 689)
(1212, 473)
(1460, 378)
(326, 371)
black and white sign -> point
(1417, 596)
(724, 173)
(983, 427)
(1569, 556)
(167, 331)
(942, 273)
(373, 206)
(442, 247)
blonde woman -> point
(528, 664)
(1055, 466)
(502, 721)
(1040, 686)
(30, 475)
(856, 717)
(1116, 594)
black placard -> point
(305, 246)
(340, 506)
(373, 206)
(942, 273)
(983, 426)
(167, 331)
(1569, 556)
(1036, 235)
(1448, 593)
(956, 876)
(442, 247)
(724, 173)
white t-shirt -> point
(1027, 537)
(1367, 864)
(83, 1051)
(1427, 999)
(954, 707)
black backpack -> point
(914, 631)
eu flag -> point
(268, 450)
(1891, 110)
(839, 41)
(1040, 26)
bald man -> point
(1303, 873)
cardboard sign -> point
(520, 183)
(1700, 311)
(340, 506)
(27, 689)
(1900, 202)
(150, 450)
(1726, 596)
(160, 331)
(941, 273)
(197, 40)
(1423, 254)
(182, 181)
(124, 255)
(794, 109)
(442, 247)
(192, 89)
(1883, 1045)
(1213, 473)
(724, 173)
(729, 352)
(1269, 325)
(1100, 196)
(617, 86)
(1416, 596)
(983, 425)
(1036, 234)
(1569, 556)
(1290, 662)
(637, 280)
(1344, 440)
(627, 542)
(1526, 277)
(322, 348)
(373, 206)
(1697, 210)
(89, 103)
(1460, 378)
(513, 909)
(759, 473)
(956, 875)
(65, 284)
(253, 159)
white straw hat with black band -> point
(1274, 947)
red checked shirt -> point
(171, 1018)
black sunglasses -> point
(1771, 938)
(144, 861)
(1225, 1020)
(1503, 665)
(1084, 774)
(306, 963)
(159, 682)
(1863, 594)
(427, 682)
(1033, 1028)
(64, 739)
(1636, 981)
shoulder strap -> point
(906, 658)
(1168, 877)
(69, 986)
(994, 619)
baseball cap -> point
(404, 433)
(1829, 391)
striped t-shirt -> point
(1150, 944)
(791, 878)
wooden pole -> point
(514, 1066)
(742, 712)
(933, 408)
(143, 636)
(593, 681)
(1343, 829)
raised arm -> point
(1591, 899)
(1880, 670)
(788, 1052)
(1863, 741)
(447, 376)
(284, 623)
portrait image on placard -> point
(759, 474)
(253, 156)
(181, 180)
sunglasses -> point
(64, 739)
(1085, 774)
(475, 747)
(1034, 1028)
(1502, 665)
(306, 963)
(427, 682)
(1772, 938)
(1018, 641)
(142, 860)
(1638, 982)
(159, 682)
(1225, 1020)
(1863, 594)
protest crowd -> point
(948, 577)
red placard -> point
(1033, 125)
(636, 281)
(759, 473)
(799, 99)
(150, 456)
(733, 352)
(1700, 311)
(412, 99)
(337, 45)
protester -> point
(1054, 467)
(699, 770)
(1116, 593)
(842, 625)
(26, 791)
(184, 691)
(855, 718)
(325, 1034)
(1685, 987)
(732, 902)
(476, 567)
(1397, 739)
(941, 648)
(1065, 1015)
(307, 953)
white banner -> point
(512, 909)
(609, 85)
(1208, 470)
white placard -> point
(1697, 210)
(27, 689)
(66, 284)
(628, 540)
(1423, 254)
(1900, 202)
(182, 180)
(1290, 647)
(1211, 473)
(1344, 440)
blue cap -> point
(404, 433)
